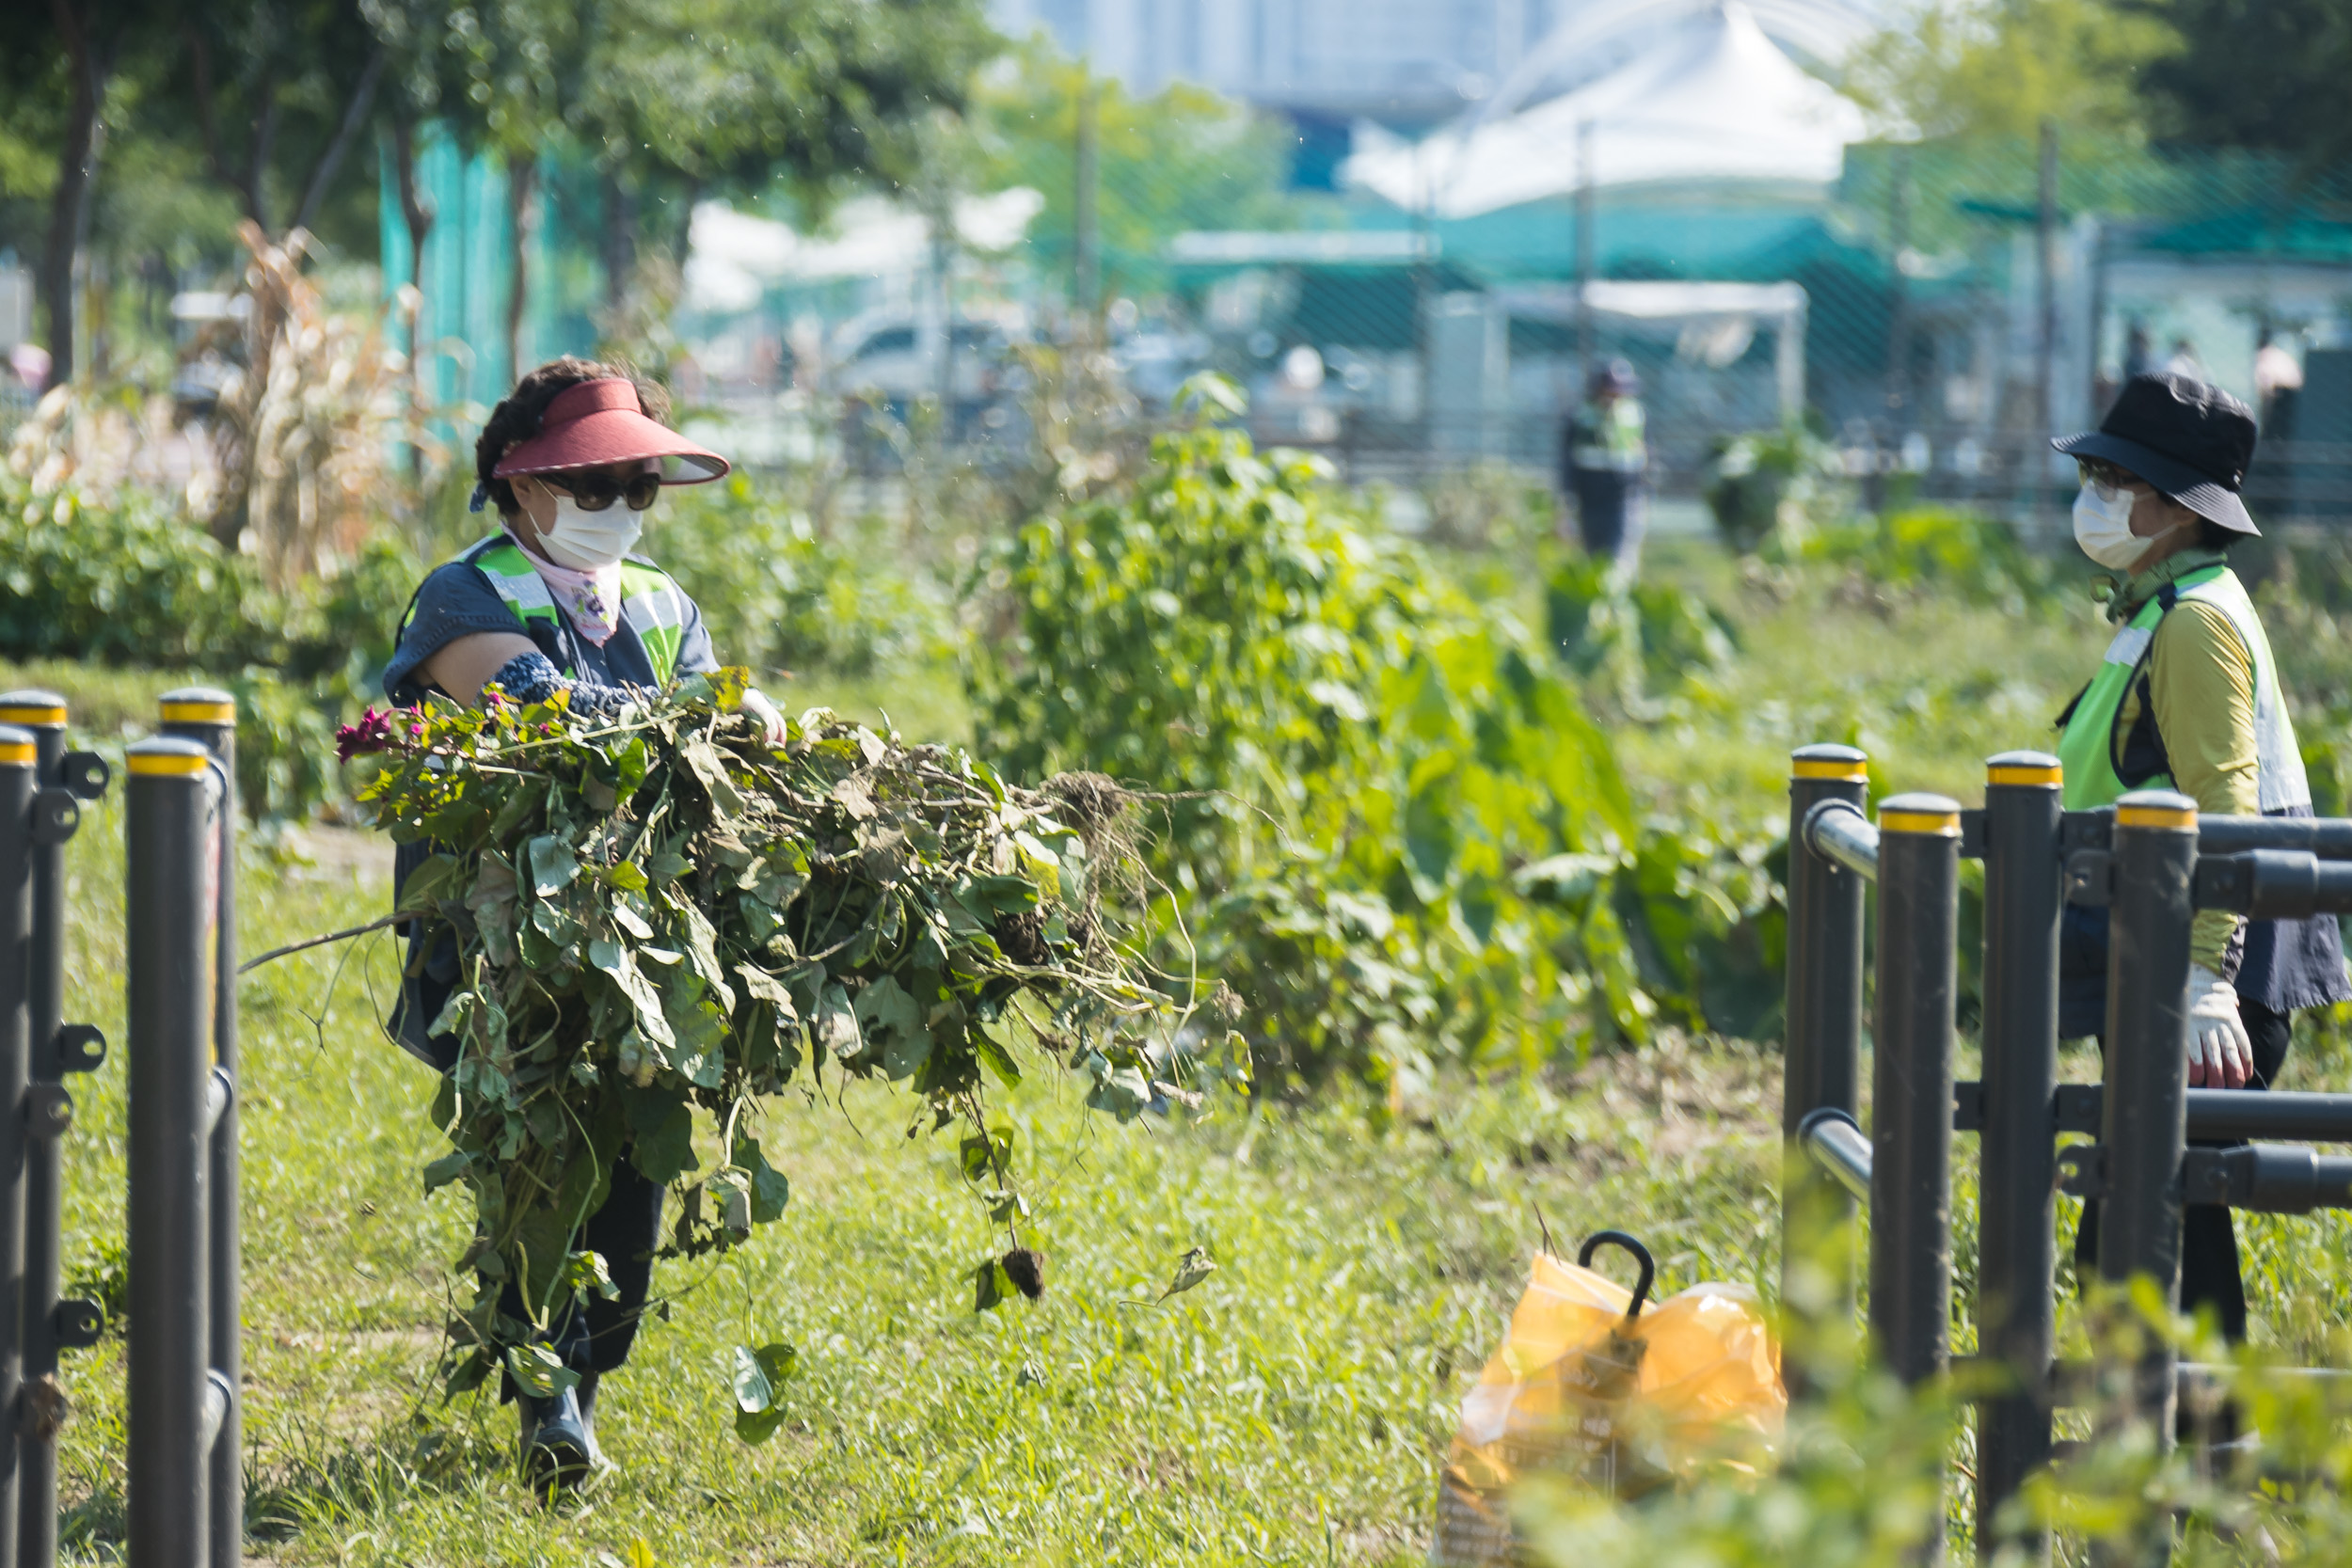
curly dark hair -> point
(517, 418)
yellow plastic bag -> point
(1591, 1386)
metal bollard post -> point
(2144, 1131)
(1911, 1094)
(172, 797)
(208, 717)
(2016, 1236)
(1911, 1085)
(1822, 1060)
(46, 1324)
(18, 780)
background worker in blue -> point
(557, 599)
(1605, 463)
(2189, 698)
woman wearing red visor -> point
(556, 599)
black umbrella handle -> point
(1640, 1255)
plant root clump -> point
(1092, 801)
(1021, 937)
(1025, 1268)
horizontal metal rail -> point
(2328, 838)
(2214, 1116)
(1839, 1148)
(2274, 884)
(2072, 1384)
(2217, 1115)
(1839, 833)
(2271, 1178)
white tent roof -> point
(1715, 101)
(733, 256)
(1594, 38)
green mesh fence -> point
(1935, 315)
(467, 289)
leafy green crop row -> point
(1406, 840)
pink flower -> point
(372, 734)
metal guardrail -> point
(2153, 864)
(1840, 1147)
(1839, 832)
(208, 717)
(184, 1498)
(48, 1325)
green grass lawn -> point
(1930, 687)
(1292, 1409)
(1288, 1410)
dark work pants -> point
(593, 1334)
(1610, 513)
(593, 1337)
(2209, 1269)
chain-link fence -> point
(1933, 316)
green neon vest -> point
(2091, 747)
(652, 605)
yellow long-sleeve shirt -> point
(2201, 681)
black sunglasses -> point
(595, 492)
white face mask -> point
(2103, 527)
(588, 541)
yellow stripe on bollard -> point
(1946, 823)
(1830, 768)
(168, 764)
(199, 713)
(2127, 816)
(2014, 774)
(18, 753)
(41, 713)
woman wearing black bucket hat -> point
(2189, 698)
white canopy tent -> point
(1712, 100)
(733, 258)
(1594, 38)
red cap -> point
(593, 423)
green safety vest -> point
(2092, 746)
(652, 606)
(1612, 439)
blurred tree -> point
(1181, 159)
(1999, 67)
(2267, 75)
(58, 62)
(671, 99)
(688, 98)
(675, 99)
(277, 93)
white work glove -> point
(755, 703)
(2220, 1055)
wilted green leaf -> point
(757, 1380)
(553, 865)
(539, 1372)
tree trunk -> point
(419, 215)
(620, 243)
(247, 188)
(684, 245)
(331, 163)
(77, 178)
(522, 187)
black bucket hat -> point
(2191, 440)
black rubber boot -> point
(587, 1392)
(557, 1456)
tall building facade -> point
(1406, 62)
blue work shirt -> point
(458, 601)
